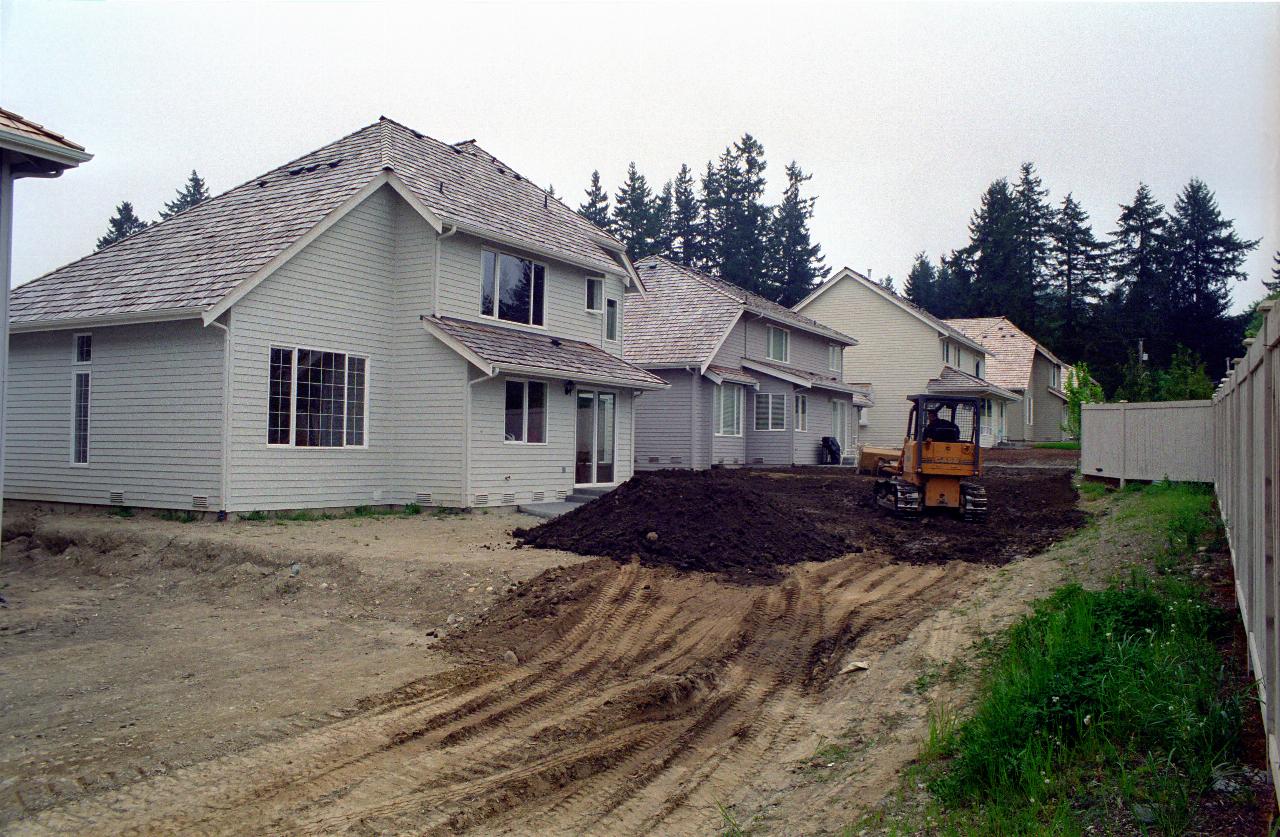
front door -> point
(594, 461)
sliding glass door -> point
(594, 462)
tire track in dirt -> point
(662, 694)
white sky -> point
(903, 113)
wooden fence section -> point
(1246, 448)
(1148, 441)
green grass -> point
(1100, 704)
(254, 516)
(1057, 445)
(1091, 490)
(121, 511)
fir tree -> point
(1140, 269)
(922, 282)
(634, 220)
(889, 284)
(596, 207)
(122, 225)
(739, 218)
(1034, 220)
(1077, 274)
(798, 261)
(189, 195)
(686, 237)
(1274, 284)
(662, 211)
(995, 258)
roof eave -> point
(586, 378)
(519, 244)
(133, 318)
(60, 155)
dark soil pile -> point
(747, 524)
(693, 521)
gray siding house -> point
(390, 319)
(751, 382)
(1020, 364)
(903, 350)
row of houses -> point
(392, 319)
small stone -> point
(509, 656)
(1144, 814)
(294, 569)
(652, 537)
(488, 589)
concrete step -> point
(592, 492)
(547, 511)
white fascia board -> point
(136, 318)
(586, 378)
(34, 147)
(844, 339)
(402, 189)
(777, 373)
(720, 343)
(334, 216)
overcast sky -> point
(902, 113)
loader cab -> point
(942, 437)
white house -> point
(752, 382)
(389, 319)
(903, 350)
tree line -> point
(126, 222)
(1162, 277)
(719, 222)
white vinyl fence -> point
(1148, 441)
(1246, 447)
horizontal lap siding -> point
(664, 423)
(770, 447)
(155, 416)
(820, 424)
(337, 294)
(1050, 412)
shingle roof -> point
(952, 381)
(811, 379)
(514, 350)
(16, 124)
(733, 376)
(36, 150)
(194, 259)
(685, 313)
(1012, 350)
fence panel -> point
(1246, 472)
(1148, 441)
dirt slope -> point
(638, 700)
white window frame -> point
(1056, 377)
(1030, 411)
(769, 415)
(946, 351)
(497, 290)
(786, 343)
(612, 317)
(977, 367)
(592, 282)
(75, 348)
(546, 408)
(292, 435)
(802, 413)
(835, 357)
(731, 392)
(88, 416)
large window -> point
(771, 411)
(80, 420)
(611, 320)
(777, 344)
(319, 395)
(802, 413)
(526, 412)
(595, 294)
(511, 288)
(728, 410)
(1030, 410)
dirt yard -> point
(424, 675)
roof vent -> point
(555, 341)
(501, 170)
(546, 201)
(313, 168)
(261, 183)
(456, 149)
(296, 171)
(442, 187)
(415, 134)
(335, 163)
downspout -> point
(466, 435)
(695, 393)
(435, 271)
(226, 409)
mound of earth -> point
(705, 520)
(746, 524)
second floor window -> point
(777, 344)
(611, 320)
(946, 352)
(834, 355)
(512, 288)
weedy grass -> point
(1057, 445)
(1099, 704)
(1092, 490)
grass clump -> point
(1057, 445)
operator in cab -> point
(939, 429)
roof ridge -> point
(186, 213)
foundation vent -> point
(560, 495)
(508, 499)
(116, 498)
(654, 460)
(200, 502)
(677, 460)
(482, 499)
(759, 460)
(539, 496)
(422, 499)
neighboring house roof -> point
(808, 379)
(36, 150)
(496, 349)
(905, 304)
(686, 314)
(952, 381)
(201, 257)
(1012, 350)
(734, 376)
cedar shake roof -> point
(36, 150)
(684, 315)
(1012, 350)
(517, 351)
(733, 376)
(952, 381)
(194, 259)
(811, 379)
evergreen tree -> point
(686, 237)
(1206, 254)
(1140, 267)
(712, 221)
(1274, 284)
(122, 225)
(596, 207)
(739, 219)
(798, 262)
(922, 282)
(1034, 220)
(1077, 273)
(635, 222)
(189, 195)
(953, 292)
(1184, 380)
(663, 210)
(889, 284)
(995, 257)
